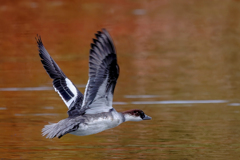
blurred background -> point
(179, 62)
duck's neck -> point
(127, 117)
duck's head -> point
(135, 115)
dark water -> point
(179, 61)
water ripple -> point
(37, 114)
(33, 88)
(234, 104)
(179, 102)
(142, 96)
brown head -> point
(135, 115)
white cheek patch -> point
(129, 117)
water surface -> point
(179, 62)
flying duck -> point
(92, 112)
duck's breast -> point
(95, 124)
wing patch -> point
(62, 85)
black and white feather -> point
(62, 85)
(103, 75)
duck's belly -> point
(95, 126)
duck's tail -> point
(59, 129)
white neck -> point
(129, 117)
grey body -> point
(99, 122)
(85, 124)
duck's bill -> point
(147, 117)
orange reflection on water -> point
(176, 50)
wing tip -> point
(103, 31)
(104, 34)
(39, 40)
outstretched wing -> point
(62, 85)
(103, 75)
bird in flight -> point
(92, 112)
